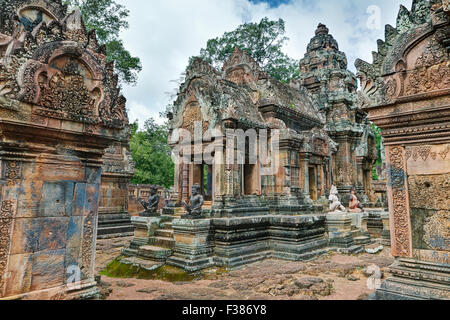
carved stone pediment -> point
(50, 61)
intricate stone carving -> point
(427, 79)
(391, 89)
(12, 172)
(62, 70)
(191, 115)
(7, 212)
(425, 152)
(402, 238)
(335, 204)
(194, 209)
(7, 209)
(431, 193)
(67, 91)
(88, 244)
(345, 172)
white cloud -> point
(165, 33)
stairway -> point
(360, 238)
(114, 226)
(161, 245)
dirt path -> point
(331, 277)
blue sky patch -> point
(271, 3)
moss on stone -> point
(118, 269)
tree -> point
(151, 154)
(263, 41)
(379, 162)
(109, 19)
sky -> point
(165, 33)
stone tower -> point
(323, 71)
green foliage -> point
(151, 154)
(108, 19)
(378, 138)
(263, 41)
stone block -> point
(18, 278)
(194, 251)
(53, 233)
(339, 226)
(48, 269)
(25, 236)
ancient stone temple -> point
(324, 138)
(313, 136)
(60, 108)
(406, 91)
(323, 71)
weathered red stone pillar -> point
(406, 92)
(60, 109)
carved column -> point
(185, 183)
(399, 202)
(409, 99)
(304, 164)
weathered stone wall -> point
(60, 108)
(118, 168)
(233, 242)
(407, 94)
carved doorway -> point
(250, 180)
(312, 183)
(202, 174)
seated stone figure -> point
(335, 204)
(354, 205)
(151, 207)
(196, 202)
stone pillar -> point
(304, 163)
(339, 226)
(194, 244)
(60, 108)
(411, 106)
(185, 183)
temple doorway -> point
(250, 180)
(312, 183)
(202, 174)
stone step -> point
(115, 235)
(106, 230)
(362, 240)
(165, 233)
(154, 253)
(129, 252)
(168, 243)
(167, 225)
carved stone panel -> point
(429, 188)
(398, 203)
